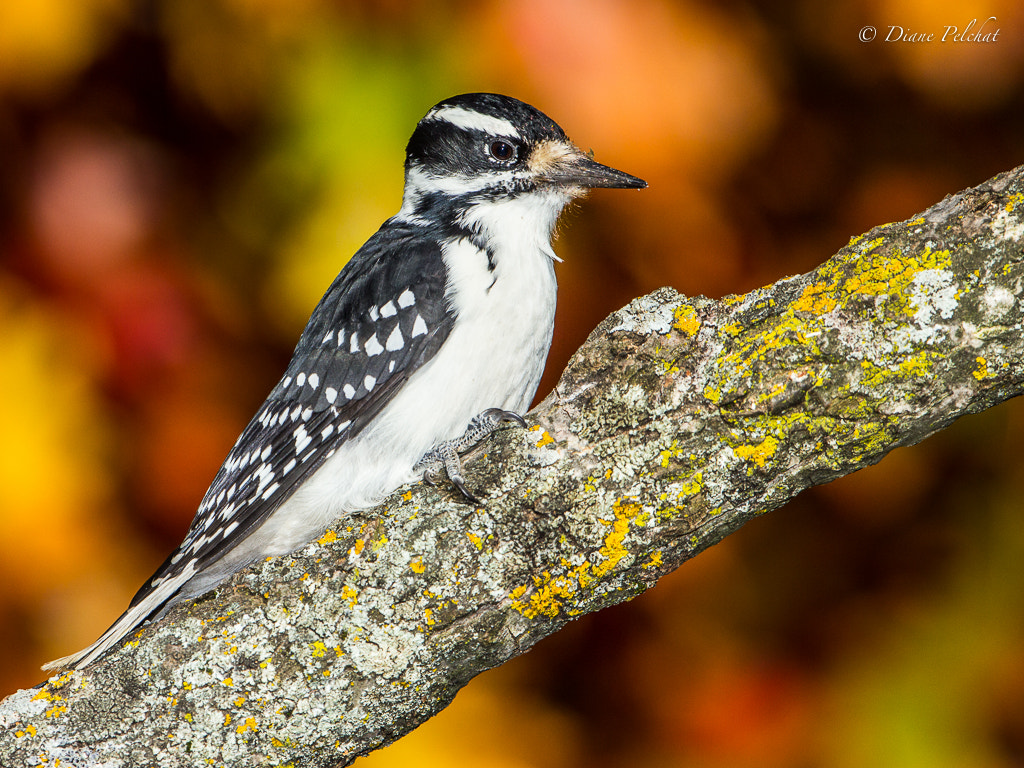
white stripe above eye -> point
(472, 120)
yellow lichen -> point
(672, 452)
(692, 486)
(328, 537)
(817, 298)
(545, 438)
(477, 541)
(349, 594)
(893, 276)
(613, 550)
(714, 394)
(759, 453)
(982, 371)
(49, 694)
(417, 565)
(552, 591)
(668, 367)
(686, 320)
(873, 273)
(919, 365)
(870, 245)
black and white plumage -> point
(434, 332)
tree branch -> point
(678, 421)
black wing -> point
(384, 316)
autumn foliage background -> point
(182, 179)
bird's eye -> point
(501, 151)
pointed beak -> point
(589, 174)
(567, 166)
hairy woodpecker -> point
(434, 333)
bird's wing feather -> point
(383, 317)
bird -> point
(433, 335)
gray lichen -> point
(678, 421)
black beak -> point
(581, 171)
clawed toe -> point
(497, 415)
(446, 454)
(458, 483)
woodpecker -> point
(432, 335)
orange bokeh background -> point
(182, 179)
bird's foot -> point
(446, 455)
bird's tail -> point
(126, 623)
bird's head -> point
(481, 148)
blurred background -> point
(181, 180)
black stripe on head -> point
(453, 138)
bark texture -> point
(679, 420)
